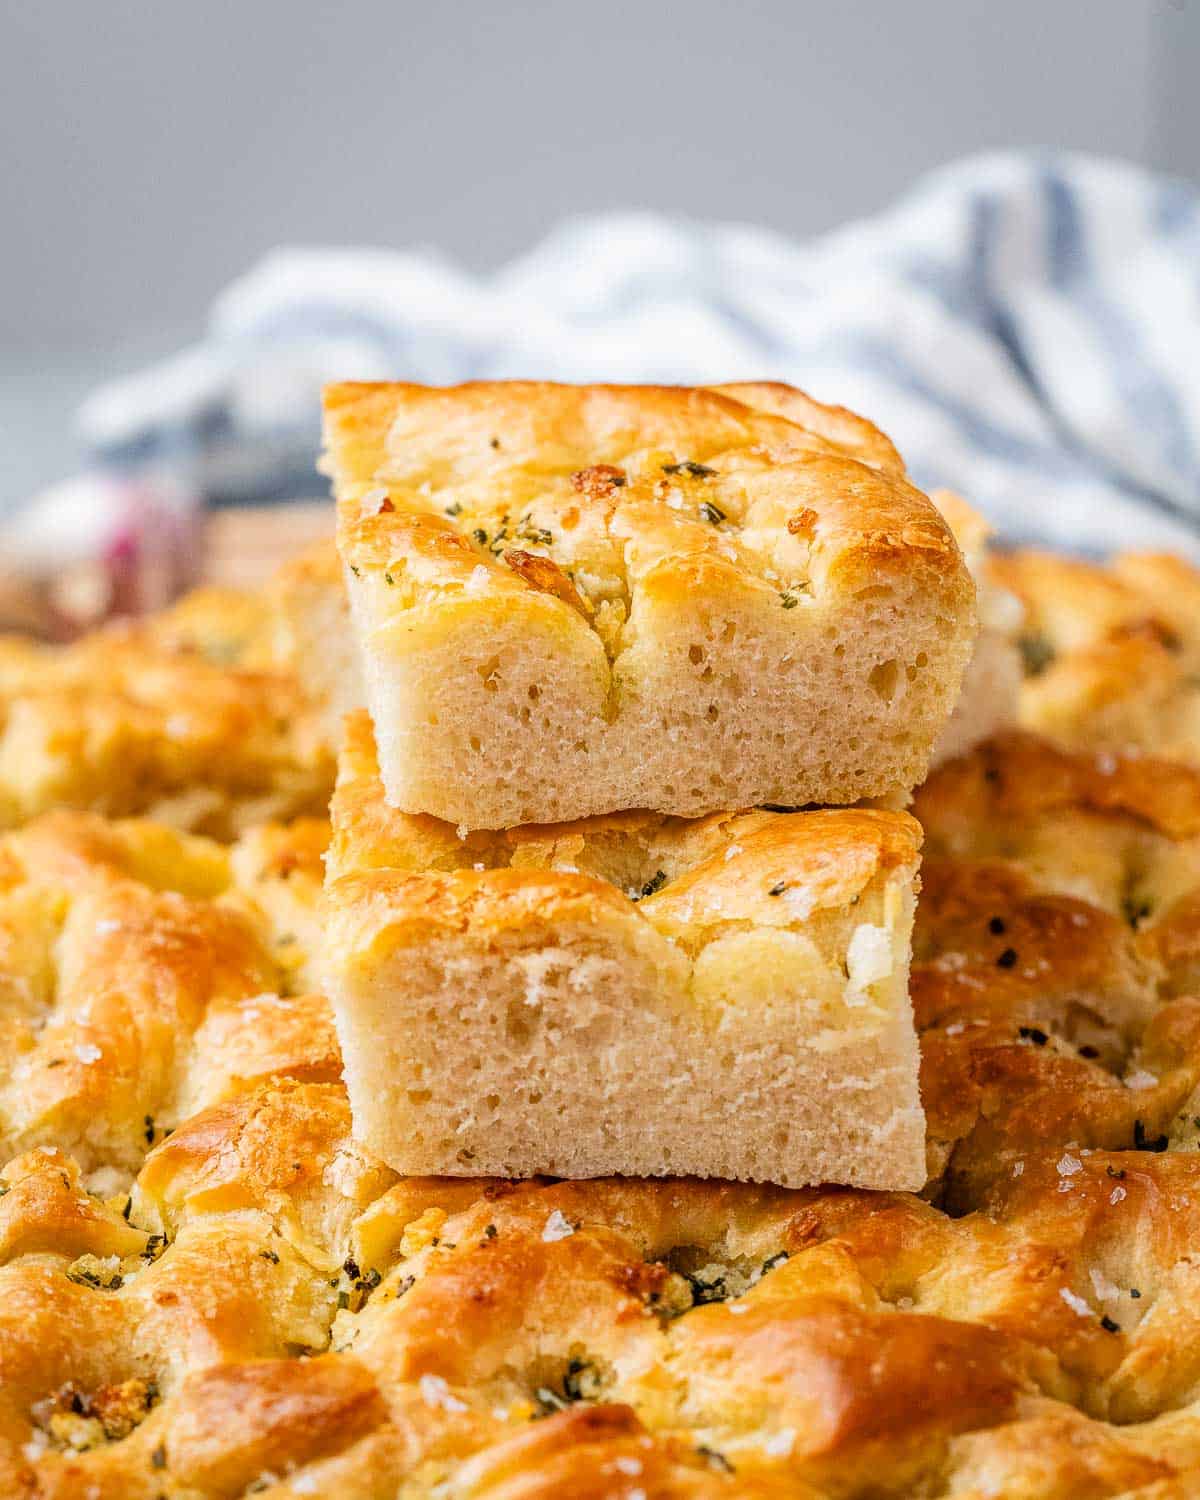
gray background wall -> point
(153, 150)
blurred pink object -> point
(97, 547)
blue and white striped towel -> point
(1027, 328)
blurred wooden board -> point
(243, 547)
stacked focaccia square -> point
(612, 642)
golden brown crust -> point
(441, 436)
(1112, 650)
(138, 983)
(271, 1312)
(682, 1338)
(726, 864)
(1055, 955)
(834, 1307)
(838, 425)
(1018, 775)
(146, 720)
(585, 537)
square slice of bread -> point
(570, 600)
(632, 993)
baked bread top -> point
(839, 427)
(179, 717)
(680, 869)
(1056, 956)
(653, 580)
(1112, 650)
(270, 1312)
(136, 976)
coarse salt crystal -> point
(1118, 1195)
(1075, 1302)
(38, 1442)
(87, 1052)
(868, 960)
(558, 1227)
(1068, 1165)
(1101, 1285)
(781, 1443)
(1141, 1080)
(436, 1393)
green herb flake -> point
(655, 883)
(690, 467)
(1037, 653)
(581, 1381)
(1144, 1142)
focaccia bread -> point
(180, 717)
(573, 600)
(269, 1314)
(1112, 650)
(631, 993)
(312, 636)
(145, 973)
(1056, 957)
(267, 1311)
(991, 688)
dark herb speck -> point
(1143, 1142)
